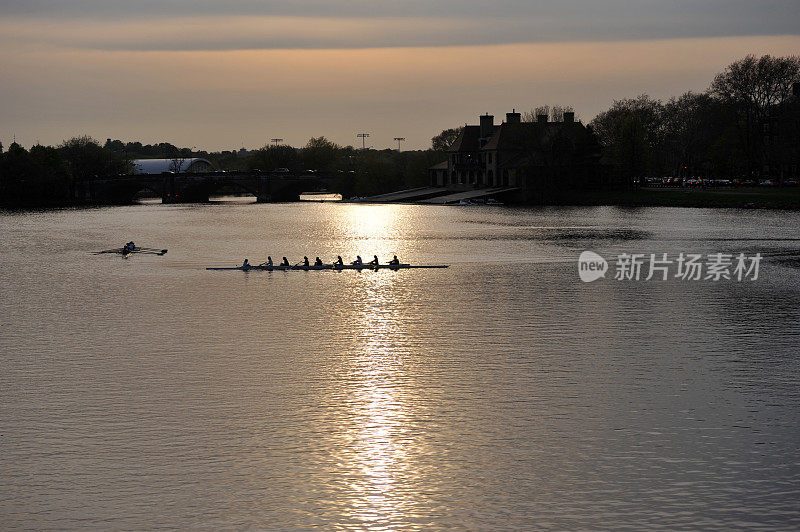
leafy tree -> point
(690, 124)
(320, 154)
(271, 157)
(445, 139)
(631, 134)
(52, 181)
(85, 157)
(19, 170)
(114, 145)
(38, 177)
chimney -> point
(569, 116)
(542, 119)
(487, 125)
(513, 117)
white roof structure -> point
(178, 165)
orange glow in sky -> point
(133, 80)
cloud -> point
(221, 99)
(318, 24)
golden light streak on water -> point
(375, 230)
(380, 457)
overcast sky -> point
(219, 75)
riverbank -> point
(750, 198)
(747, 198)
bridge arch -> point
(217, 186)
(177, 165)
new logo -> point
(591, 266)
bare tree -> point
(753, 87)
(758, 84)
(179, 157)
(555, 113)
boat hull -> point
(332, 267)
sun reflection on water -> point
(381, 457)
(374, 229)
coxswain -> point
(246, 265)
(395, 261)
(358, 261)
(318, 262)
(305, 262)
(285, 262)
(374, 261)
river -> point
(499, 393)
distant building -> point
(189, 165)
(529, 156)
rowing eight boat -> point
(278, 267)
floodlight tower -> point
(399, 140)
(363, 137)
(276, 141)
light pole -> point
(399, 140)
(363, 137)
(276, 141)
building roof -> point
(159, 166)
(441, 166)
(468, 139)
(518, 136)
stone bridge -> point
(196, 188)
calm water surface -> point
(501, 393)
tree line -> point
(746, 124)
(47, 175)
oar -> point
(123, 251)
(149, 250)
(117, 250)
(159, 253)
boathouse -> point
(527, 156)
